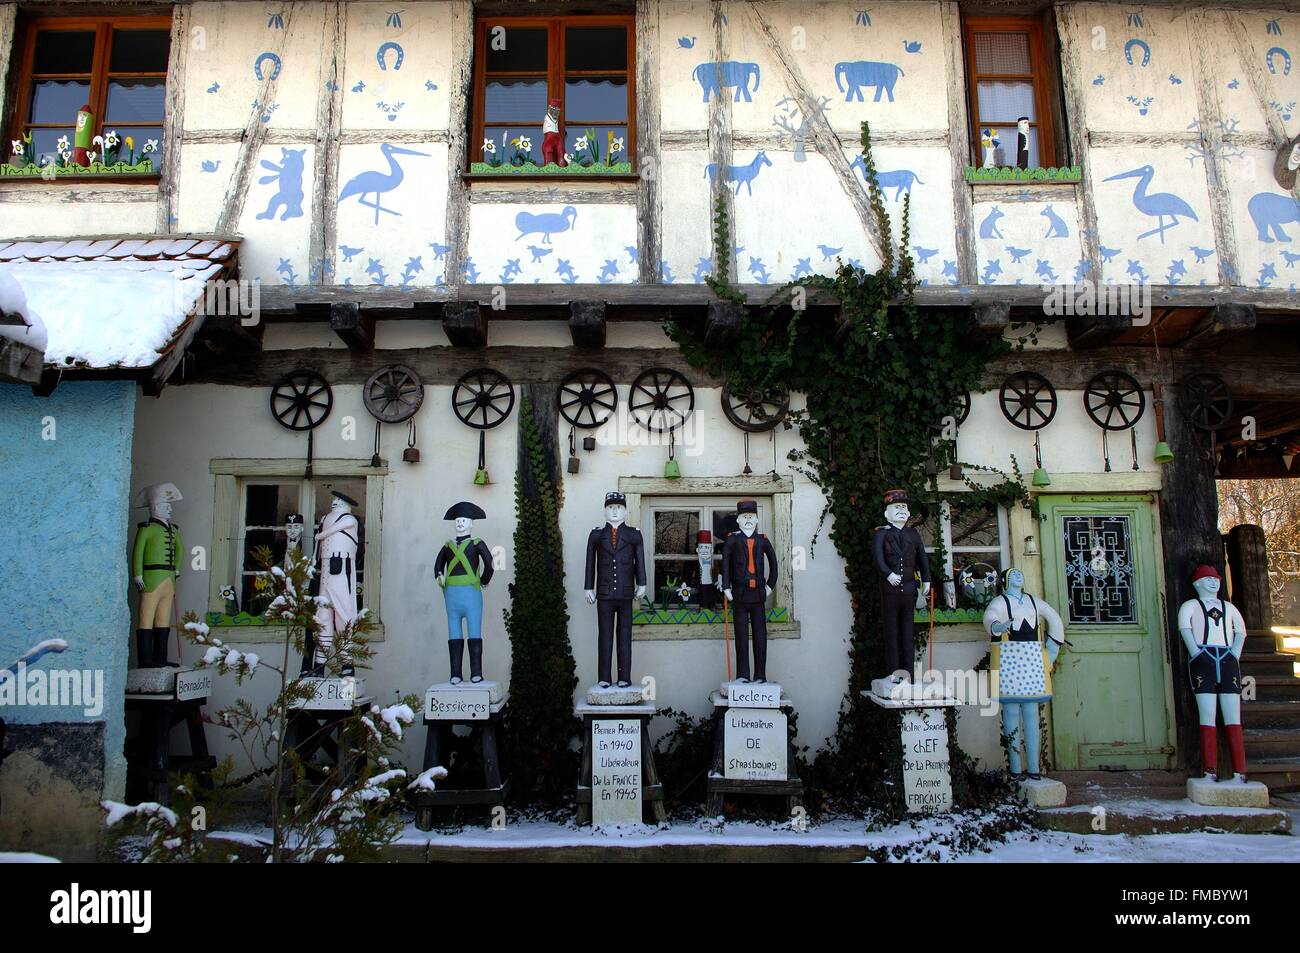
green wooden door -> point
(1113, 699)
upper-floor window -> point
(554, 95)
(109, 71)
(1010, 80)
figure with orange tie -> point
(748, 576)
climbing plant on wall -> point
(878, 376)
(543, 674)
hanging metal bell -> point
(573, 464)
(588, 443)
(481, 477)
(411, 455)
(672, 470)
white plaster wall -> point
(592, 247)
(52, 219)
(1022, 241)
(278, 220)
(415, 94)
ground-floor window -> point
(975, 540)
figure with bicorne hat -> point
(748, 577)
(338, 541)
(463, 568)
(155, 566)
(615, 576)
(899, 556)
(1215, 634)
(706, 593)
(553, 136)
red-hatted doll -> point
(1215, 633)
(552, 136)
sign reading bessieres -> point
(452, 704)
(927, 777)
(615, 771)
(193, 684)
(755, 744)
(767, 695)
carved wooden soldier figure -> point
(748, 576)
(899, 556)
(1215, 634)
(464, 568)
(615, 575)
(338, 541)
(706, 593)
(155, 566)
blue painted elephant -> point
(730, 74)
(1270, 211)
(860, 73)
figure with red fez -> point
(1215, 633)
(706, 593)
(748, 575)
(899, 556)
(552, 137)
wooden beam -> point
(323, 240)
(19, 363)
(459, 84)
(587, 323)
(173, 122)
(992, 319)
(1248, 559)
(8, 30)
(1208, 72)
(827, 142)
(1251, 65)
(227, 333)
(722, 323)
(1073, 30)
(721, 154)
(649, 207)
(465, 324)
(156, 377)
(357, 330)
(958, 141)
(1097, 330)
(1219, 324)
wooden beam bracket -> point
(1220, 323)
(722, 323)
(587, 323)
(1099, 330)
(991, 318)
(355, 329)
(465, 324)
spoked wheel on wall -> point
(661, 400)
(392, 395)
(586, 399)
(482, 399)
(301, 401)
(1207, 401)
(1028, 400)
(756, 410)
(1114, 401)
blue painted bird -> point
(925, 254)
(1290, 258)
(912, 46)
(546, 224)
(376, 182)
(539, 253)
(1017, 253)
(439, 251)
(686, 42)
(215, 87)
(209, 166)
(631, 253)
(348, 252)
(1202, 254)
(1108, 254)
(828, 253)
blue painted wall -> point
(64, 557)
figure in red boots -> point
(552, 136)
(1215, 633)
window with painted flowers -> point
(91, 96)
(554, 96)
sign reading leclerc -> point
(927, 778)
(193, 684)
(751, 695)
(453, 704)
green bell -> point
(1041, 478)
(1163, 453)
(672, 470)
(481, 477)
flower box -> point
(572, 169)
(1002, 174)
(32, 171)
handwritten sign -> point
(927, 778)
(451, 704)
(330, 694)
(754, 744)
(193, 684)
(615, 771)
(753, 696)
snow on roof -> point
(107, 303)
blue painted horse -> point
(740, 174)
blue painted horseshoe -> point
(257, 64)
(1286, 60)
(382, 52)
(1146, 51)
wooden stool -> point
(437, 748)
(313, 730)
(652, 790)
(719, 785)
(153, 763)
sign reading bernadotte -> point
(754, 744)
(193, 684)
(331, 694)
(453, 704)
(615, 771)
(767, 695)
(927, 778)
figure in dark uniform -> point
(899, 556)
(748, 576)
(615, 576)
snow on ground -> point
(101, 313)
(1050, 847)
(19, 857)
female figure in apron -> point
(463, 568)
(1215, 633)
(1023, 665)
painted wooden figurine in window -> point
(990, 143)
(82, 136)
(338, 541)
(463, 568)
(553, 136)
(748, 576)
(1215, 634)
(1023, 665)
(899, 556)
(293, 527)
(615, 576)
(1022, 142)
(155, 564)
(706, 593)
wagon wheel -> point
(482, 398)
(756, 409)
(301, 400)
(1028, 400)
(661, 399)
(587, 398)
(1207, 402)
(1114, 400)
(393, 394)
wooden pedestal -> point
(437, 746)
(652, 790)
(150, 762)
(719, 786)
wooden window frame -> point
(555, 76)
(97, 98)
(1043, 80)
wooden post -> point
(649, 206)
(1248, 564)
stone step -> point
(1162, 816)
(1267, 663)
(1271, 714)
(1272, 743)
(1093, 787)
